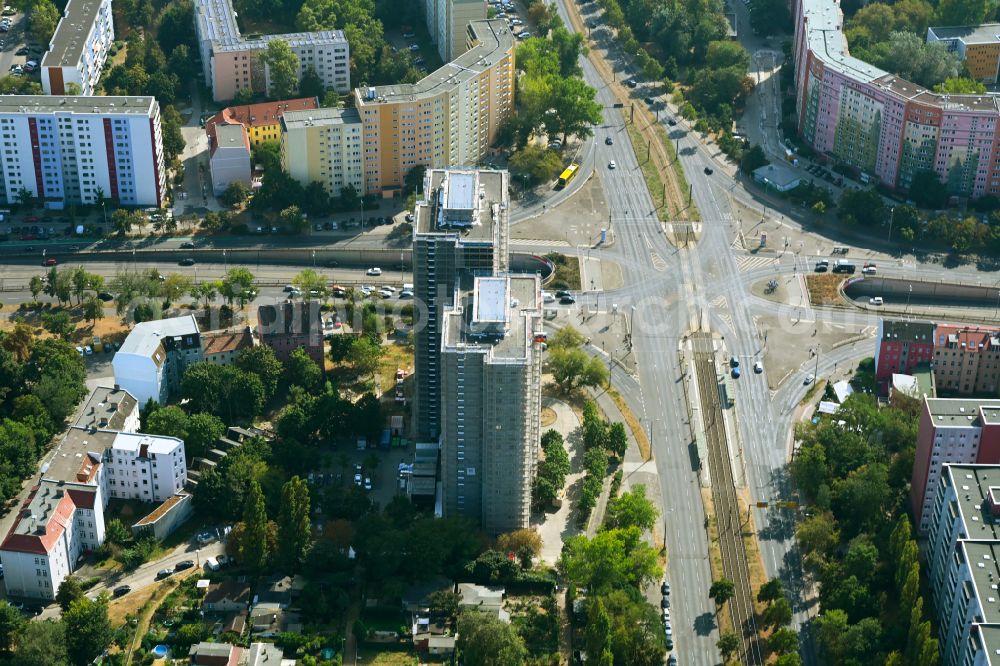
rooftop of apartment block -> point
(320, 117)
(978, 489)
(45, 514)
(123, 105)
(78, 456)
(473, 202)
(823, 28)
(989, 638)
(70, 38)
(143, 445)
(985, 568)
(908, 331)
(985, 33)
(955, 412)
(493, 41)
(262, 114)
(146, 337)
(107, 407)
(217, 22)
(231, 136)
(220, 342)
(967, 336)
(494, 313)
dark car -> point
(650, 101)
(708, 171)
(22, 51)
(671, 122)
(328, 226)
(164, 573)
(632, 83)
(561, 293)
(567, 299)
(187, 261)
(105, 296)
(121, 591)
(187, 245)
(665, 602)
(183, 564)
(665, 588)
(609, 141)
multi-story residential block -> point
(109, 409)
(324, 146)
(967, 359)
(223, 347)
(963, 557)
(287, 326)
(977, 45)
(901, 346)
(262, 121)
(447, 119)
(955, 431)
(460, 229)
(152, 360)
(232, 63)
(229, 158)
(78, 49)
(885, 127)
(491, 389)
(448, 22)
(149, 468)
(75, 150)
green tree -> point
(311, 284)
(722, 591)
(42, 20)
(36, 285)
(224, 391)
(632, 509)
(174, 286)
(617, 441)
(255, 551)
(444, 603)
(58, 323)
(612, 559)
(293, 220)
(960, 86)
(168, 421)
(753, 159)
(116, 532)
(42, 644)
(260, 360)
(236, 194)
(69, 591)
(722, 54)
(293, 524)
(574, 368)
(93, 310)
(778, 613)
(962, 12)
(575, 108)
(301, 370)
(783, 641)
(203, 431)
(728, 644)
(311, 84)
(772, 590)
(485, 640)
(927, 190)
(597, 633)
(282, 69)
(170, 127)
(11, 622)
(535, 164)
(88, 629)
(237, 285)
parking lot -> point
(15, 53)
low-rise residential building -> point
(66, 150)
(963, 558)
(978, 46)
(324, 146)
(229, 158)
(901, 346)
(956, 431)
(232, 63)
(287, 326)
(223, 347)
(227, 596)
(450, 118)
(262, 121)
(152, 360)
(78, 49)
(215, 654)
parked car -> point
(665, 588)
(374, 270)
(809, 379)
(121, 591)
(665, 602)
(632, 83)
(187, 245)
(205, 537)
(186, 261)
(164, 573)
(876, 300)
(183, 564)
(568, 299)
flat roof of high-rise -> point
(96, 104)
(70, 38)
(521, 301)
(493, 40)
(984, 33)
(107, 407)
(972, 487)
(216, 21)
(320, 117)
(957, 412)
(489, 205)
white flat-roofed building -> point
(79, 48)
(67, 150)
(155, 354)
(149, 468)
(230, 157)
(232, 63)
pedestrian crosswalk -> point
(538, 242)
(751, 263)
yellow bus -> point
(567, 175)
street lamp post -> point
(892, 218)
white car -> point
(88, 350)
(809, 379)
(876, 300)
(548, 297)
(374, 270)
(385, 293)
(758, 367)
(406, 293)
(612, 165)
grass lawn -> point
(394, 659)
(824, 289)
(384, 619)
(567, 274)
